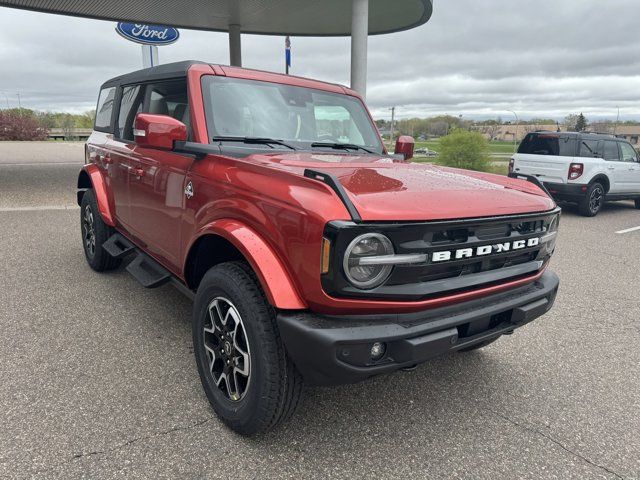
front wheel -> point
(592, 202)
(245, 371)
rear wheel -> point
(94, 233)
(245, 371)
(592, 202)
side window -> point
(169, 98)
(611, 152)
(628, 153)
(589, 148)
(130, 105)
(105, 108)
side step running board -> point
(118, 247)
(143, 268)
(148, 272)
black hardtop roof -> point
(167, 70)
(587, 135)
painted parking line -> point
(632, 229)
(39, 208)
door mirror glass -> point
(158, 131)
(405, 146)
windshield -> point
(296, 115)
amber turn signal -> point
(326, 252)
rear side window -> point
(589, 148)
(548, 144)
(130, 105)
(610, 151)
(105, 109)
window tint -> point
(169, 98)
(548, 144)
(589, 148)
(105, 108)
(610, 151)
(628, 153)
(130, 106)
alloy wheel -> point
(595, 199)
(88, 227)
(227, 349)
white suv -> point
(585, 168)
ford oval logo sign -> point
(148, 34)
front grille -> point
(421, 281)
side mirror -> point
(158, 131)
(405, 145)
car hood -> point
(384, 190)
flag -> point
(287, 52)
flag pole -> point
(287, 54)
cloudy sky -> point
(478, 59)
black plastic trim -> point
(337, 187)
(532, 179)
(335, 349)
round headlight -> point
(361, 274)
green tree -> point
(465, 149)
(581, 123)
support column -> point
(150, 56)
(235, 48)
(359, 37)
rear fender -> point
(91, 177)
(271, 272)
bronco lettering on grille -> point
(445, 255)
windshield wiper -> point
(254, 140)
(341, 146)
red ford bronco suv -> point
(310, 252)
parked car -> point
(310, 252)
(584, 168)
(426, 152)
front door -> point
(157, 180)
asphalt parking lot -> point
(99, 380)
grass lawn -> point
(496, 149)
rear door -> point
(546, 156)
(121, 147)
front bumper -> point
(332, 350)
(566, 191)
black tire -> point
(478, 345)
(94, 235)
(270, 393)
(592, 202)
(637, 202)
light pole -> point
(393, 122)
(515, 135)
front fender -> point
(271, 272)
(92, 173)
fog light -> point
(377, 350)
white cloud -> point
(543, 58)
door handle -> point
(611, 168)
